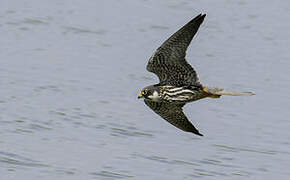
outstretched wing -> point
(168, 62)
(173, 114)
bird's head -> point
(149, 92)
(144, 93)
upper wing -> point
(168, 62)
(173, 114)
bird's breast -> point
(180, 94)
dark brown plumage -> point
(168, 62)
(179, 83)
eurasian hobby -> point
(179, 83)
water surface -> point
(71, 71)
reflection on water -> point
(71, 73)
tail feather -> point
(217, 92)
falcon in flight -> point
(179, 83)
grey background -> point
(71, 70)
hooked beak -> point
(140, 95)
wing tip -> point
(199, 134)
(196, 132)
(201, 16)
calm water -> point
(71, 70)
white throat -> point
(154, 96)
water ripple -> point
(237, 149)
(111, 175)
(14, 159)
(79, 30)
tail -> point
(217, 92)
